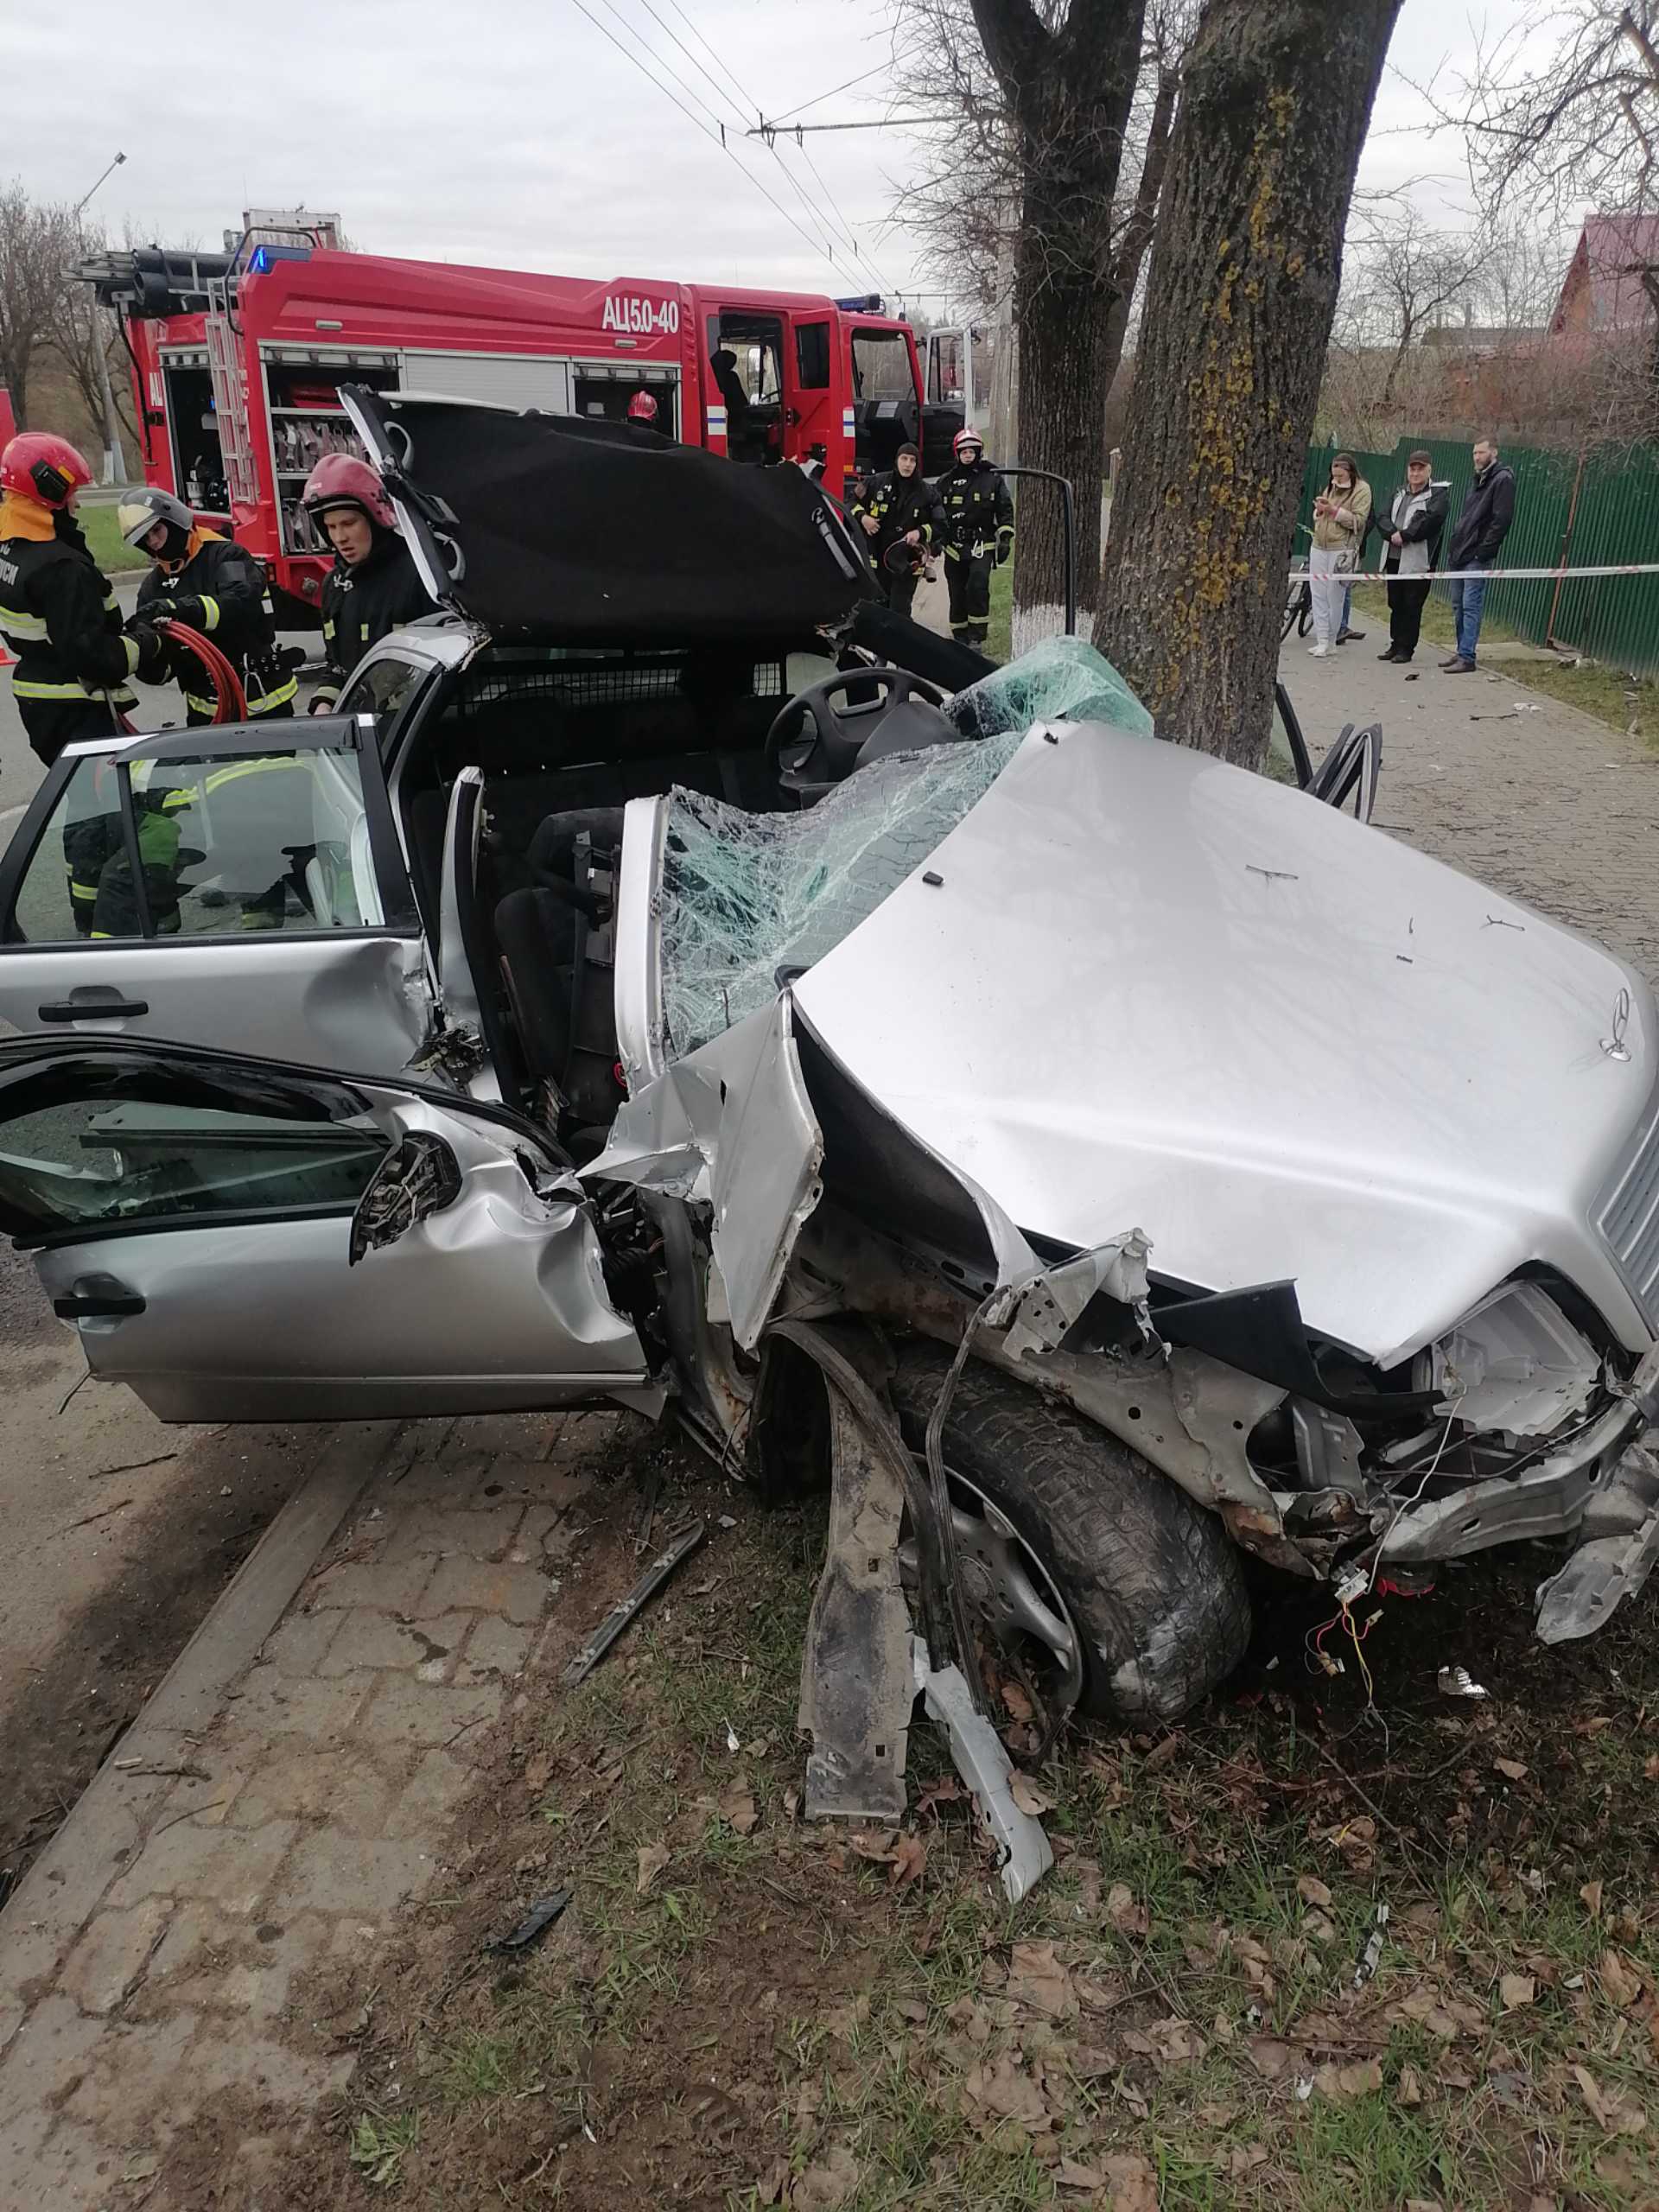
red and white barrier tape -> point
(1491, 575)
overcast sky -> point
(515, 133)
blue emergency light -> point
(263, 256)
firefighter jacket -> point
(360, 606)
(59, 615)
(977, 510)
(221, 590)
(897, 505)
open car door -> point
(240, 885)
(247, 1239)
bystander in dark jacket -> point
(1411, 525)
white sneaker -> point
(1319, 652)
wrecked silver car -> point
(1093, 1161)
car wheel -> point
(1082, 1561)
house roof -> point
(1610, 259)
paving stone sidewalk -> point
(304, 1818)
(1551, 806)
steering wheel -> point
(810, 723)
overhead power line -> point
(696, 123)
(883, 69)
(837, 231)
(780, 129)
(822, 209)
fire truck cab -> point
(238, 357)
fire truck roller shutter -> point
(515, 380)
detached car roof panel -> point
(559, 528)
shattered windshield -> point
(747, 895)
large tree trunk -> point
(1245, 267)
(1069, 91)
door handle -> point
(97, 1306)
(97, 1005)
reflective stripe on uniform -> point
(209, 612)
(82, 890)
(17, 624)
(24, 689)
(111, 605)
(201, 705)
(268, 701)
(327, 629)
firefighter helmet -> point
(140, 511)
(47, 469)
(642, 408)
(965, 437)
(339, 479)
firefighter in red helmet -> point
(642, 408)
(374, 586)
(978, 516)
(57, 612)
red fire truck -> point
(237, 357)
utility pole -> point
(115, 465)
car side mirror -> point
(419, 1177)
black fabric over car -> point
(895, 638)
(570, 528)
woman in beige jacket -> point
(1340, 515)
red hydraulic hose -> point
(233, 705)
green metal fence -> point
(1588, 512)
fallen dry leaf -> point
(1270, 2058)
(653, 1857)
(1018, 1705)
(1311, 1891)
(1132, 2183)
(737, 1809)
(1027, 1796)
(1514, 1990)
(1590, 2091)
(827, 2185)
(1358, 2079)
(1650, 1766)
(1037, 1979)
(1618, 1985)
(1411, 2086)
(538, 1772)
(1003, 2091)
(769, 2190)
(1178, 2043)
(947, 1791)
(1245, 2157)
(1070, 2173)
(872, 1844)
(1511, 1770)
(1125, 1915)
(1161, 1754)
(1591, 1894)
(908, 1859)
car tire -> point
(1153, 1583)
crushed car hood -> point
(1137, 985)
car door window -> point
(203, 844)
(57, 898)
(156, 1150)
(384, 687)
